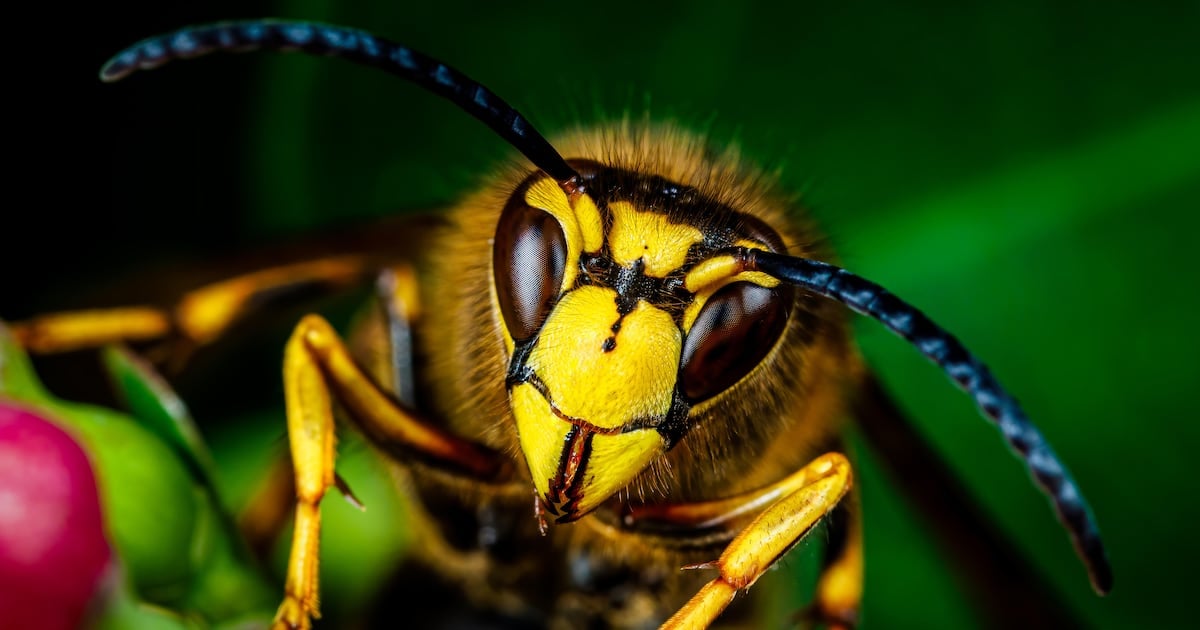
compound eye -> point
(529, 256)
(737, 327)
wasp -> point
(629, 355)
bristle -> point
(357, 46)
(872, 300)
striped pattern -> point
(357, 46)
(872, 300)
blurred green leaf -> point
(153, 403)
(17, 377)
(982, 220)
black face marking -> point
(721, 225)
(518, 371)
(595, 268)
(566, 488)
(609, 344)
(555, 498)
(632, 285)
(636, 424)
(676, 424)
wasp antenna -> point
(357, 46)
(866, 297)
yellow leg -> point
(839, 590)
(316, 368)
(819, 487)
(310, 435)
(200, 316)
(387, 353)
(62, 332)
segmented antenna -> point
(357, 46)
(872, 300)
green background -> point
(1027, 174)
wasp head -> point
(620, 316)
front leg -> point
(805, 498)
(318, 368)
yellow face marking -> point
(710, 272)
(581, 224)
(614, 461)
(720, 271)
(590, 378)
(662, 245)
(545, 194)
(590, 225)
(542, 434)
(710, 275)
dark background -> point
(1027, 174)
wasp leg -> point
(401, 305)
(388, 357)
(200, 316)
(63, 332)
(804, 498)
(839, 590)
(318, 368)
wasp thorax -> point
(623, 309)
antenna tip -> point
(110, 74)
(119, 66)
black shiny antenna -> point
(867, 298)
(357, 46)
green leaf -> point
(17, 377)
(156, 406)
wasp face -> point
(621, 316)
